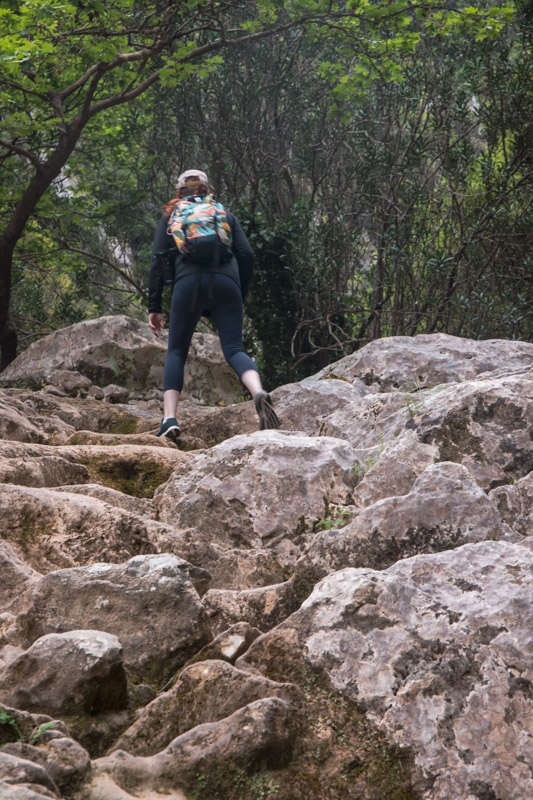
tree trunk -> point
(8, 343)
(40, 182)
(8, 353)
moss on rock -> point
(136, 476)
(337, 754)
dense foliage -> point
(379, 157)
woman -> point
(221, 289)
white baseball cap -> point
(191, 176)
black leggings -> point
(189, 298)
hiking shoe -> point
(268, 419)
(170, 429)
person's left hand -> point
(156, 323)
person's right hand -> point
(156, 323)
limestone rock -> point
(264, 607)
(437, 649)
(208, 426)
(120, 350)
(229, 569)
(204, 692)
(485, 425)
(44, 468)
(410, 363)
(22, 726)
(104, 350)
(61, 382)
(35, 738)
(115, 394)
(230, 644)
(133, 469)
(64, 760)
(515, 505)
(148, 602)
(138, 506)
(259, 732)
(444, 509)
(8, 653)
(370, 424)
(10, 791)
(65, 673)
(381, 470)
(15, 575)
(301, 405)
(41, 416)
(14, 770)
(15, 425)
(92, 391)
(257, 488)
(393, 470)
(112, 439)
(53, 530)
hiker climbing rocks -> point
(212, 262)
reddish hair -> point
(169, 207)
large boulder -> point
(265, 487)
(410, 363)
(52, 530)
(437, 650)
(148, 602)
(300, 406)
(484, 424)
(31, 776)
(392, 470)
(444, 509)
(65, 673)
(31, 416)
(204, 692)
(515, 505)
(62, 758)
(15, 575)
(261, 732)
(119, 350)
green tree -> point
(341, 143)
(359, 159)
(64, 65)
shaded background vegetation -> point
(384, 177)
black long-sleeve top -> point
(238, 266)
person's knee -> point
(230, 352)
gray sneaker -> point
(170, 429)
(268, 419)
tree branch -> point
(21, 151)
(107, 263)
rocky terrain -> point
(338, 610)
